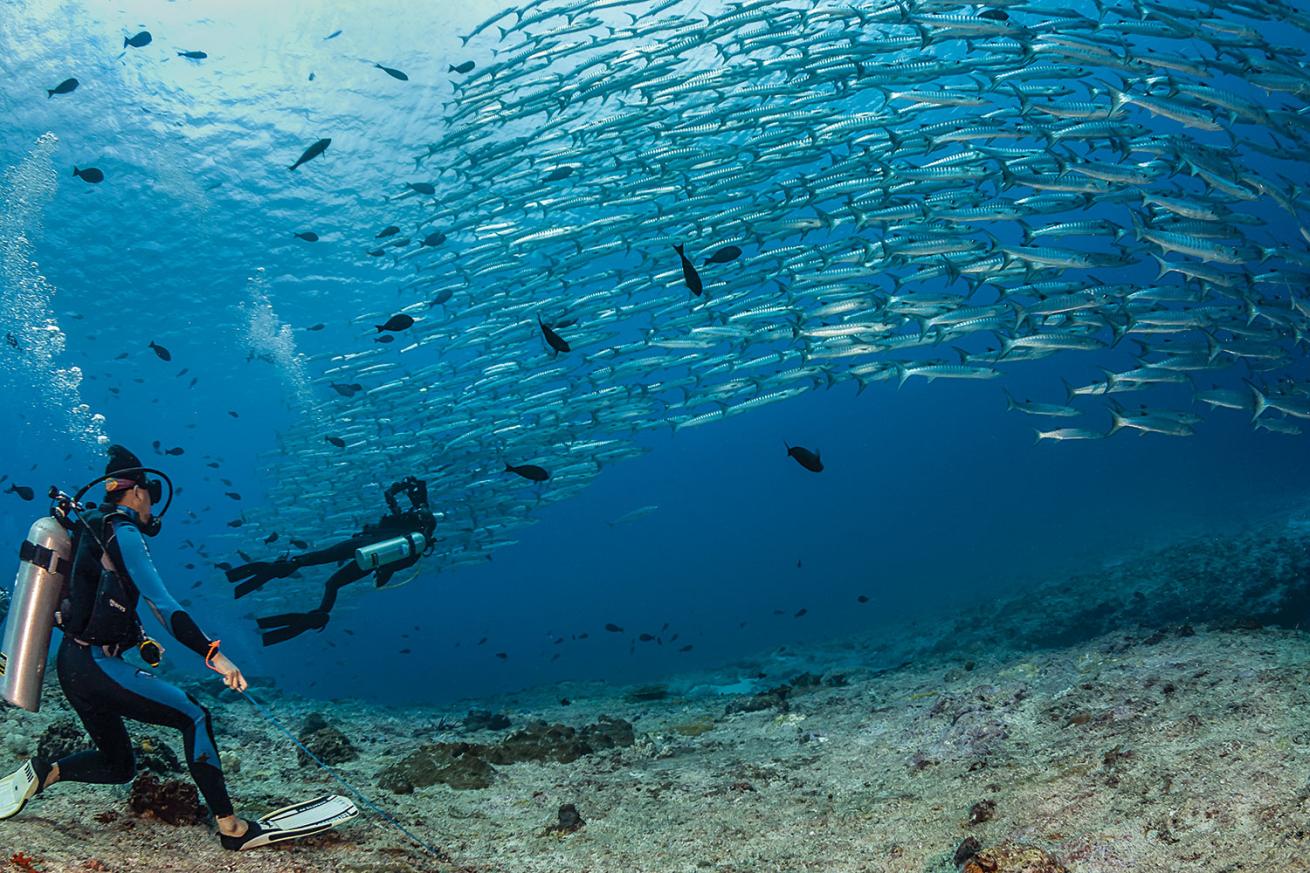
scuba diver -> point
(394, 543)
(91, 585)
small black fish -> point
(232, 494)
(192, 384)
(162, 353)
(311, 76)
(406, 651)
(308, 236)
(389, 230)
(800, 612)
(90, 174)
(863, 598)
(481, 641)
(21, 490)
(723, 255)
(347, 390)
(442, 296)
(686, 648)
(183, 372)
(141, 40)
(502, 655)
(236, 522)
(995, 14)
(233, 413)
(318, 326)
(396, 323)
(312, 152)
(376, 253)
(559, 173)
(176, 450)
(395, 74)
(271, 538)
(529, 471)
(466, 67)
(333, 35)
(689, 274)
(299, 544)
(336, 441)
(554, 340)
(806, 458)
(646, 638)
(213, 464)
(385, 339)
(435, 238)
(422, 187)
(11, 339)
(195, 56)
(614, 628)
(564, 701)
(68, 86)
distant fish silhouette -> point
(806, 458)
(141, 40)
(312, 152)
(689, 274)
(160, 352)
(68, 86)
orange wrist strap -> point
(209, 658)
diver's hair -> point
(116, 497)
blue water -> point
(933, 498)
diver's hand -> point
(232, 677)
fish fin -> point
(1261, 402)
(1010, 405)
(75, 169)
(1068, 391)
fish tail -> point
(125, 42)
(380, 327)
(1261, 402)
(509, 468)
(677, 247)
(75, 170)
(452, 68)
(50, 92)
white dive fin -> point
(294, 822)
(16, 789)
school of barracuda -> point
(923, 190)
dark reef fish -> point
(195, 56)
(393, 73)
(333, 35)
(388, 338)
(141, 40)
(435, 238)
(529, 471)
(806, 458)
(176, 450)
(442, 296)
(347, 390)
(466, 67)
(389, 230)
(21, 490)
(554, 340)
(614, 628)
(336, 441)
(89, 174)
(724, 255)
(559, 173)
(318, 326)
(160, 352)
(689, 274)
(397, 322)
(426, 188)
(68, 86)
(308, 236)
(312, 152)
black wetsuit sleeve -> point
(141, 570)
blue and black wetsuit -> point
(104, 689)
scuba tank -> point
(389, 551)
(44, 564)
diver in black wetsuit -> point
(416, 525)
(111, 576)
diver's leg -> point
(141, 696)
(255, 575)
(384, 574)
(91, 693)
(289, 625)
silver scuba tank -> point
(45, 561)
(389, 551)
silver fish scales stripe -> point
(1041, 181)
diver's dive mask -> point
(119, 481)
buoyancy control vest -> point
(100, 604)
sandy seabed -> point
(1152, 742)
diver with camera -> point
(395, 542)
